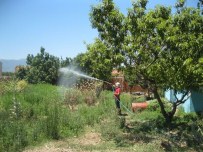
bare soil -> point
(69, 145)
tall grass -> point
(40, 113)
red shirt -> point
(117, 92)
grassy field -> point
(31, 115)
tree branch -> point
(183, 99)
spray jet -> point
(77, 73)
(105, 81)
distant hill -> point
(9, 65)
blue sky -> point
(60, 26)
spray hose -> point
(122, 103)
(115, 96)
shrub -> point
(72, 97)
(98, 88)
(2, 88)
(16, 110)
(126, 99)
(89, 97)
(52, 122)
(75, 123)
(21, 85)
(140, 99)
(13, 136)
(110, 129)
(153, 105)
(7, 86)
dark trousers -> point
(117, 101)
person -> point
(117, 92)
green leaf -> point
(187, 61)
(200, 60)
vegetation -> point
(98, 61)
(7, 74)
(43, 68)
(31, 114)
(159, 50)
(155, 48)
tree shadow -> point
(180, 137)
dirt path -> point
(75, 144)
(91, 141)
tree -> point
(110, 24)
(65, 63)
(77, 63)
(159, 49)
(200, 6)
(43, 68)
(98, 60)
(21, 72)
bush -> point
(52, 122)
(13, 136)
(21, 85)
(38, 113)
(2, 87)
(126, 99)
(28, 116)
(110, 129)
(153, 105)
(140, 99)
(89, 97)
(7, 86)
(72, 97)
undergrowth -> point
(37, 113)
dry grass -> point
(91, 141)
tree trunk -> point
(171, 114)
(168, 117)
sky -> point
(59, 26)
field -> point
(44, 117)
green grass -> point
(41, 113)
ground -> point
(90, 141)
(90, 138)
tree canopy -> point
(42, 68)
(158, 48)
(97, 61)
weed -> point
(21, 85)
(89, 97)
(38, 113)
(52, 122)
(72, 97)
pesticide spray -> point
(75, 79)
(70, 76)
(73, 74)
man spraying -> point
(117, 93)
